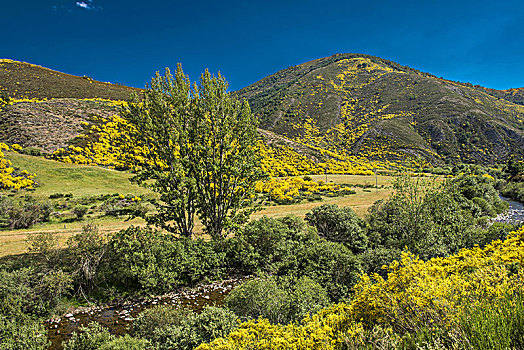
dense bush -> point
(480, 190)
(280, 300)
(513, 190)
(22, 334)
(340, 225)
(123, 207)
(330, 264)
(170, 328)
(26, 294)
(433, 219)
(23, 214)
(91, 337)
(126, 342)
(286, 246)
(80, 211)
(88, 248)
(271, 241)
(32, 151)
(147, 261)
(502, 327)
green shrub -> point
(330, 264)
(91, 337)
(22, 334)
(27, 292)
(241, 257)
(513, 190)
(269, 244)
(126, 343)
(495, 326)
(45, 245)
(23, 214)
(157, 319)
(374, 259)
(183, 329)
(32, 151)
(88, 248)
(80, 211)
(280, 300)
(431, 219)
(340, 225)
(146, 260)
(266, 235)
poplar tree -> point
(198, 152)
(160, 129)
(226, 165)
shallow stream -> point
(515, 213)
(119, 318)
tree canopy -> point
(198, 151)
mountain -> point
(25, 80)
(362, 105)
(347, 108)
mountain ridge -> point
(26, 80)
(333, 107)
(362, 104)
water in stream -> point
(515, 213)
(119, 318)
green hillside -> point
(372, 107)
(25, 80)
(338, 107)
(79, 180)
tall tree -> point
(160, 129)
(198, 151)
(225, 160)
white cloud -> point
(88, 5)
(83, 5)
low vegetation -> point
(300, 269)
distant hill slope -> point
(347, 107)
(51, 124)
(512, 95)
(372, 107)
(21, 80)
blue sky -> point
(481, 42)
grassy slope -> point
(56, 177)
(20, 79)
(370, 106)
(80, 180)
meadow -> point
(83, 181)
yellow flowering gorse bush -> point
(290, 188)
(9, 177)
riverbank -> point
(514, 214)
(119, 318)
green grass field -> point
(79, 180)
(83, 181)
